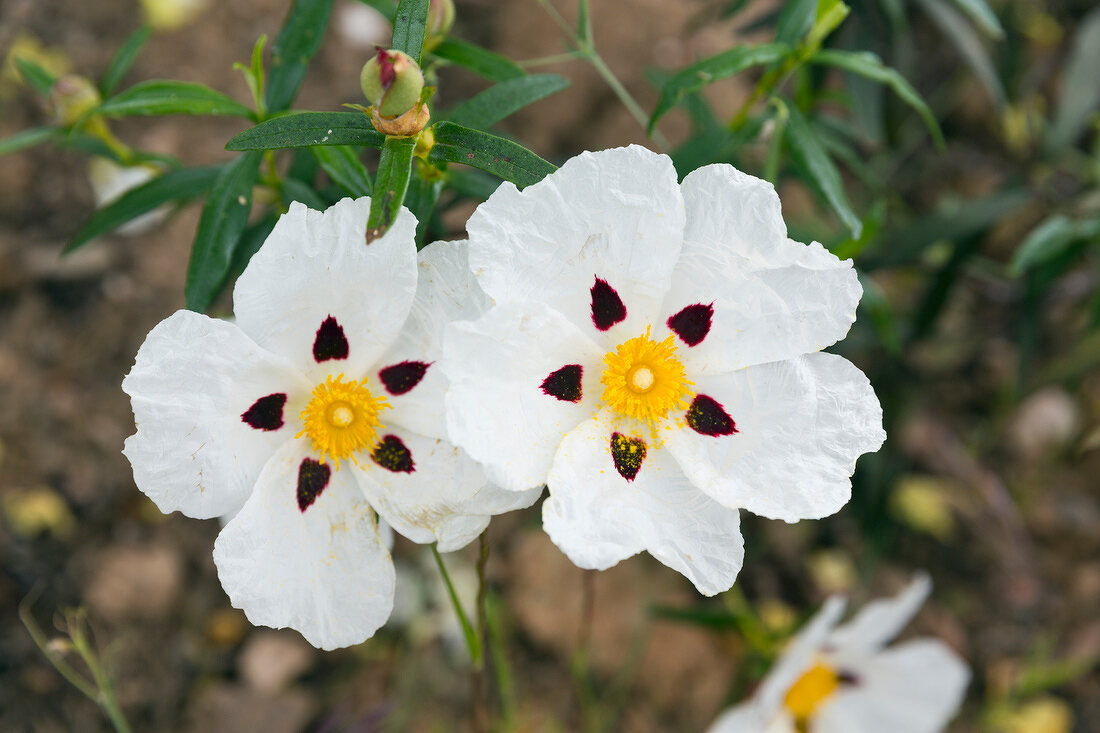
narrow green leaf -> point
(307, 129)
(223, 220)
(698, 75)
(294, 190)
(504, 158)
(344, 167)
(410, 23)
(795, 21)
(167, 97)
(39, 79)
(298, 40)
(251, 240)
(176, 185)
(390, 184)
(386, 7)
(1048, 240)
(471, 183)
(93, 145)
(868, 65)
(1080, 94)
(954, 25)
(500, 100)
(584, 22)
(481, 61)
(123, 59)
(421, 200)
(823, 174)
(28, 139)
(876, 306)
(983, 16)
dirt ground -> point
(1017, 573)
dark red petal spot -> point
(628, 454)
(387, 73)
(266, 413)
(330, 343)
(312, 479)
(607, 306)
(400, 378)
(565, 383)
(706, 416)
(393, 455)
(692, 324)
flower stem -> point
(480, 718)
(473, 640)
(581, 680)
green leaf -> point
(123, 59)
(298, 40)
(482, 61)
(167, 97)
(307, 129)
(954, 25)
(254, 76)
(795, 21)
(28, 139)
(410, 23)
(93, 145)
(504, 158)
(876, 306)
(386, 7)
(1048, 240)
(823, 174)
(251, 240)
(291, 190)
(1080, 91)
(471, 183)
(868, 65)
(584, 22)
(500, 100)
(223, 220)
(390, 184)
(698, 75)
(420, 200)
(983, 16)
(175, 185)
(344, 167)
(39, 79)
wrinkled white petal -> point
(801, 425)
(444, 499)
(597, 517)
(614, 214)
(496, 409)
(323, 571)
(880, 621)
(317, 264)
(192, 380)
(773, 298)
(915, 687)
(446, 291)
(749, 718)
(799, 656)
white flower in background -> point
(320, 406)
(841, 679)
(170, 15)
(110, 180)
(651, 357)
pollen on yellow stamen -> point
(644, 380)
(342, 419)
(811, 689)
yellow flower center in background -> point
(342, 419)
(644, 380)
(812, 689)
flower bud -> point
(441, 16)
(73, 97)
(170, 15)
(392, 82)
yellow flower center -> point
(342, 419)
(811, 689)
(644, 380)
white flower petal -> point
(748, 717)
(439, 495)
(322, 570)
(801, 425)
(799, 655)
(614, 214)
(192, 381)
(597, 517)
(496, 407)
(773, 298)
(446, 291)
(317, 265)
(880, 621)
(915, 687)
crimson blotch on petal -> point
(607, 307)
(564, 383)
(330, 343)
(627, 453)
(393, 455)
(313, 477)
(692, 324)
(401, 377)
(707, 417)
(266, 413)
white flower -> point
(649, 357)
(319, 407)
(841, 679)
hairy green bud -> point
(72, 97)
(392, 82)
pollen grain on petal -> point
(313, 477)
(627, 453)
(706, 416)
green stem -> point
(472, 642)
(557, 58)
(582, 682)
(107, 699)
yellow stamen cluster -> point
(811, 689)
(644, 380)
(342, 419)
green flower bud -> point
(441, 16)
(72, 97)
(392, 82)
